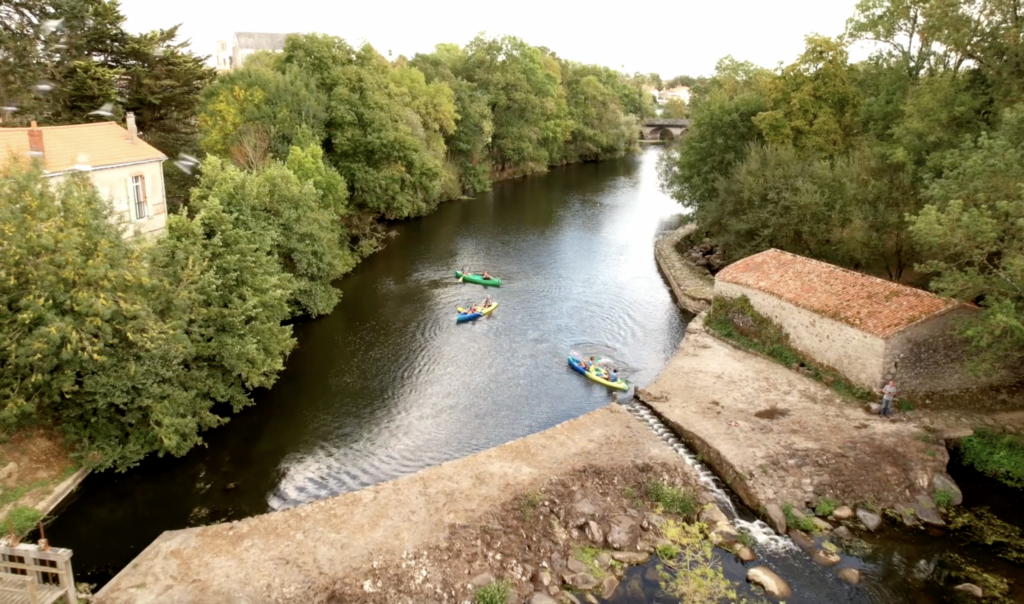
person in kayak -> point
(465, 271)
(485, 275)
(613, 376)
(487, 302)
(589, 364)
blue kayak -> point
(464, 316)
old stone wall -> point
(854, 353)
(927, 358)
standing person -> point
(888, 393)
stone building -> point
(125, 169)
(866, 328)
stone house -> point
(125, 169)
(868, 329)
(679, 92)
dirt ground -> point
(777, 436)
(286, 556)
(41, 460)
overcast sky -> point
(669, 37)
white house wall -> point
(856, 354)
(112, 183)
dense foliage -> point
(907, 164)
(135, 347)
(998, 455)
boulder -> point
(842, 513)
(909, 516)
(802, 539)
(9, 470)
(928, 515)
(925, 502)
(825, 558)
(591, 598)
(608, 587)
(575, 566)
(843, 533)
(543, 578)
(821, 524)
(584, 507)
(744, 553)
(850, 575)
(944, 482)
(623, 534)
(971, 588)
(772, 583)
(557, 562)
(604, 560)
(713, 516)
(565, 597)
(873, 408)
(542, 598)
(724, 535)
(583, 581)
(777, 518)
(481, 580)
(594, 532)
(871, 520)
(631, 558)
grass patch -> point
(825, 506)
(495, 592)
(943, 498)
(904, 405)
(24, 519)
(528, 505)
(996, 455)
(588, 555)
(805, 524)
(697, 575)
(746, 539)
(668, 552)
(734, 319)
(674, 500)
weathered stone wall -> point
(927, 358)
(854, 353)
(692, 286)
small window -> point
(137, 196)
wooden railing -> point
(30, 574)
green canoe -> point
(471, 278)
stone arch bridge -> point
(656, 128)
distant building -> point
(222, 56)
(246, 43)
(125, 169)
(868, 329)
(679, 92)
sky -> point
(668, 37)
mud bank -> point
(346, 544)
(778, 437)
(692, 287)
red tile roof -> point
(870, 304)
(95, 145)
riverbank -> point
(36, 475)
(428, 535)
(692, 287)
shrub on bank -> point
(998, 455)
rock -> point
(873, 408)
(871, 520)
(594, 532)
(591, 598)
(850, 575)
(584, 507)
(631, 558)
(713, 516)
(942, 482)
(778, 519)
(9, 470)
(802, 539)
(706, 497)
(624, 533)
(928, 515)
(542, 598)
(971, 588)
(842, 513)
(565, 597)
(576, 566)
(821, 524)
(908, 516)
(745, 553)
(925, 502)
(771, 582)
(543, 578)
(481, 579)
(724, 535)
(843, 533)
(553, 590)
(825, 558)
(557, 562)
(583, 581)
(608, 587)
(604, 560)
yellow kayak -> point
(464, 314)
(619, 384)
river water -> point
(389, 384)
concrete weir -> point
(269, 558)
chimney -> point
(133, 132)
(35, 141)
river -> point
(389, 384)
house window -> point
(137, 196)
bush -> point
(825, 506)
(495, 592)
(804, 524)
(24, 519)
(942, 498)
(999, 456)
(672, 499)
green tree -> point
(675, 108)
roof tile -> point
(96, 145)
(870, 304)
